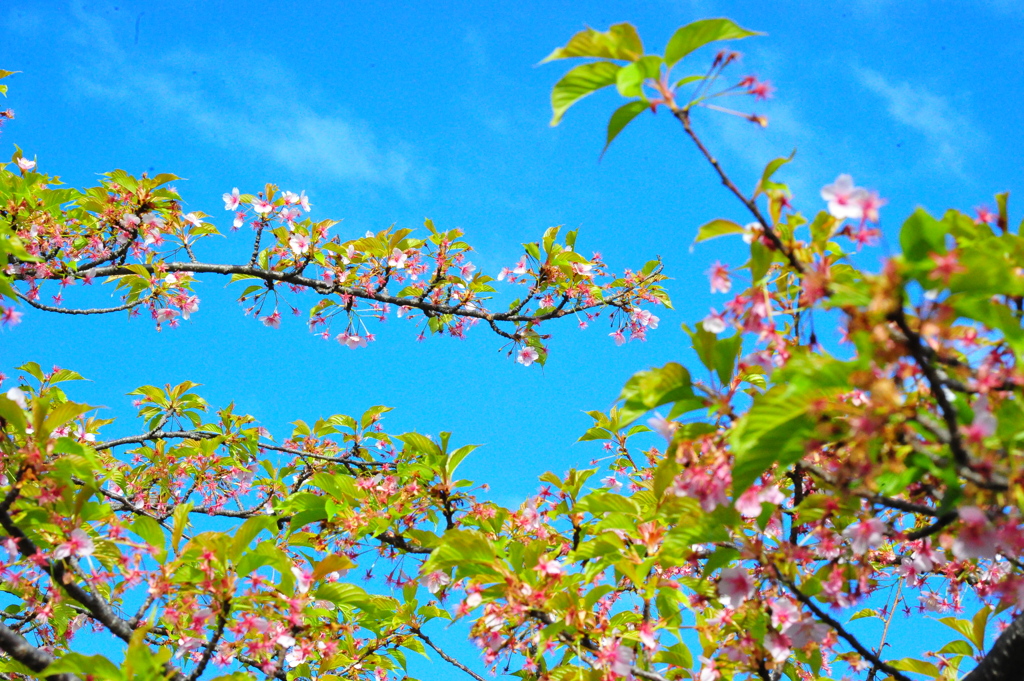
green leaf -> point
(917, 667)
(95, 666)
(151, 533)
(581, 81)
(630, 78)
(716, 228)
(653, 388)
(621, 41)
(698, 34)
(765, 182)
(622, 117)
(599, 503)
(922, 235)
(773, 431)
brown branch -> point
(1005, 660)
(94, 310)
(324, 289)
(15, 645)
(445, 656)
(683, 115)
(841, 631)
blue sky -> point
(390, 112)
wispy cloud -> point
(947, 129)
(264, 115)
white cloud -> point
(948, 130)
(242, 103)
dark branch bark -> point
(1005, 662)
(15, 645)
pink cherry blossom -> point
(527, 356)
(299, 243)
(17, 395)
(397, 259)
(645, 318)
(869, 205)
(188, 306)
(194, 219)
(262, 206)
(719, 275)
(26, 164)
(78, 545)
(708, 672)
(844, 199)
(612, 483)
(272, 320)
(662, 426)
(977, 537)
(436, 580)
(618, 337)
(9, 316)
(165, 314)
(231, 200)
(303, 579)
(778, 646)
(351, 340)
(549, 568)
(734, 587)
(304, 201)
(865, 535)
(714, 322)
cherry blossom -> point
(25, 164)
(735, 586)
(436, 580)
(79, 544)
(299, 243)
(17, 395)
(714, 322)
(527, 356)
(977, 537)
(262, 206)
(232, 200)
(865, 535)
(844, 199)
(719, 275)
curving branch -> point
(15, 645)
(1005, 660)
(324, 288)
(445, 656)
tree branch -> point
(15, 645)
(445, 656)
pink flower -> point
(231, 200)
(612, 483)
(397, 259)
(527, 356)
(17, 395)
(844, 199)
(303, 579)
(79, 544)
(803, 632)
(977, 538)
(708, 672)
(647, 319)
(734, 587)
(549, 568)
(865, 535)
(188, 306)
(662, 426)
(272, 320)
(165, 314)
(778, 646)
(436, 580)
(9, 316)
(647, 636)
(714, 322)
(618, 337)
(299, 243)
(25, 164)
(351, 340)
(719, 275)
(262, 206)
(194, 219)
(869, 205)
(304, 201)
